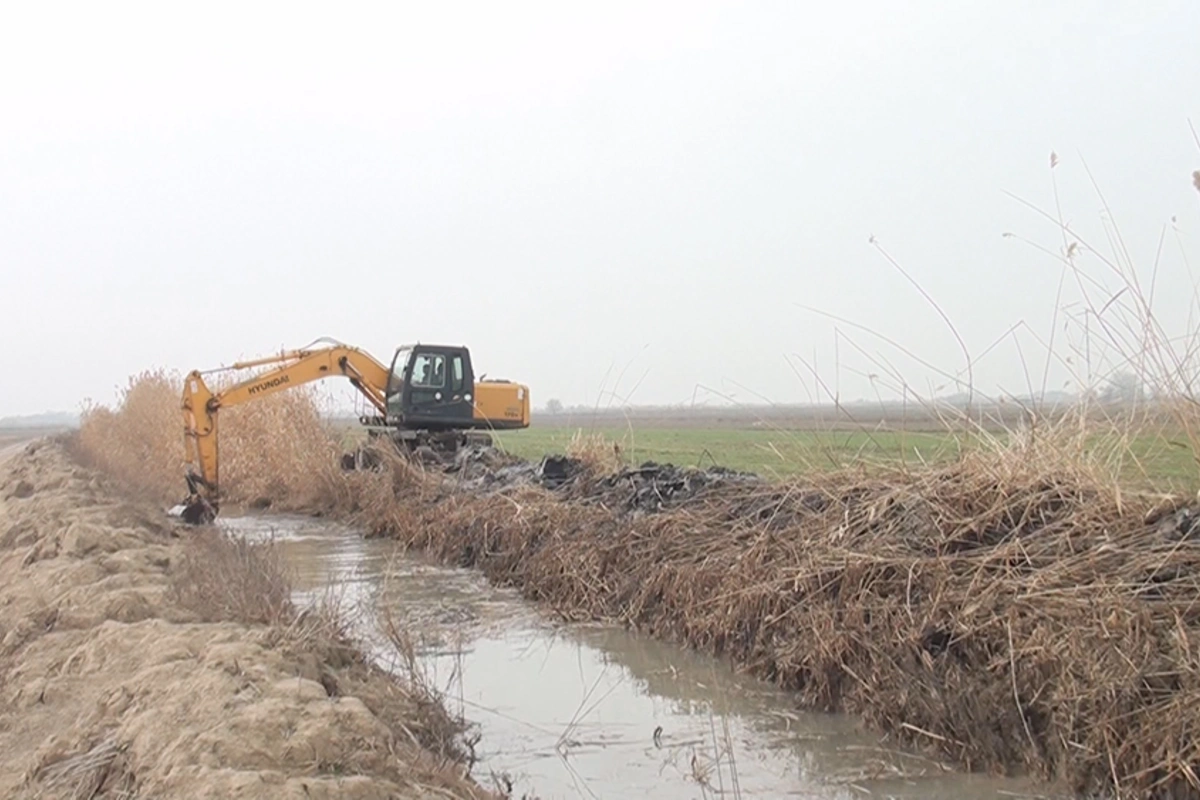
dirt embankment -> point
(142, 659)
(9, 448)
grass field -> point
(778, 452)
(1154, 459)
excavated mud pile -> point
(648, 488)
(653, 488)
(1013, 615)
(123, 673)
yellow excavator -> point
(428, 400)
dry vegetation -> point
(274, 450)
(225, 578)
(1010, 611)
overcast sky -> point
(635, 199)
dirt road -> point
(9, 450)
(11, 443)
(14, 436)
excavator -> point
(428, 401)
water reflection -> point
(592, 711)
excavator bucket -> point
(196, 509)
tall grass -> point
(140, 440)
(221, 578)
(1135, 372)
(276, 450)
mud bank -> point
(1013, 616)
(137, 660)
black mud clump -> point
(1181, 526)
(483, 469)
(486, 469)
(648, 488)
(653, 487)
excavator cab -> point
(433, 399)
(431, 387)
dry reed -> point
(596, 452)
(221, 578)
(274, 451)
(1013, 611)
(101, 771)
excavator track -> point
(432, 448)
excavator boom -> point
(292, 368)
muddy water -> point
(582, 711)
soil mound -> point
(121, 677)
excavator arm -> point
(288, 370)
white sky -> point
(578, 192)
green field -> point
(1156, 458)
(1150, 459)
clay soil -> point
(139, 658)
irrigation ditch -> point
(593, 710)
(1008, 612)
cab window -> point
(429, 371)
(456, 378)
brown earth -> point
(11, 438)
(116, 682)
